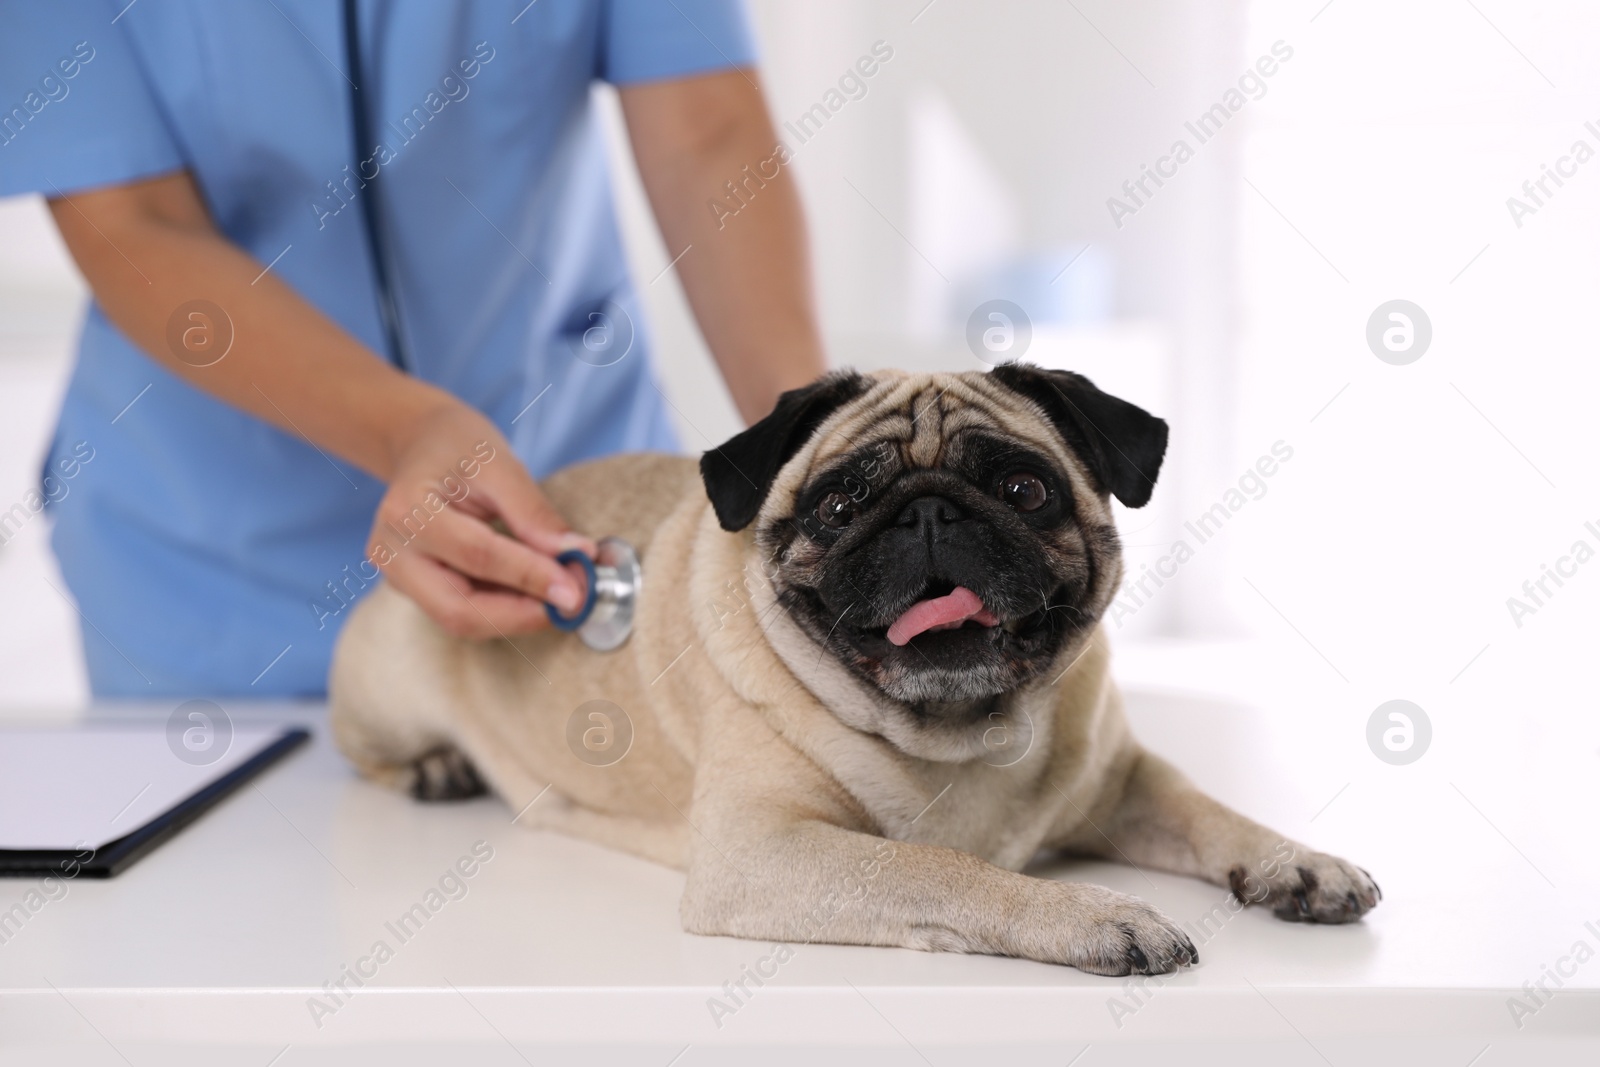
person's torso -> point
(504, 260)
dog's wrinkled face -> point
(944, 536)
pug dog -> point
(867, 684)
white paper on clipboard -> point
(85, 786)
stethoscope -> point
(612, 579)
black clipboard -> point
(116, 856)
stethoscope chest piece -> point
(612, 581)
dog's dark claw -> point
(1236, 882)
(1141, 963)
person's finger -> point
(532, 520)
(460, 609)
(511, 612)
(475, 550)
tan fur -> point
(781, 782)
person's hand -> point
(452, 477)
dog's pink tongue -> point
(940, 613)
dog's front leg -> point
(1159, 819)
(803, 880)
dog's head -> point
(944, 536)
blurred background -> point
(999, 154)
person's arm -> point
(148, 247)
(747, 276)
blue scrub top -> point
(210, 553)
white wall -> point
(41, 296)
(1424, 495)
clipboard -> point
(60, 787)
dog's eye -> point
(835, 510)
(1024, 491)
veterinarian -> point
(357, 281)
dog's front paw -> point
(1311, 887)
(1122, 935)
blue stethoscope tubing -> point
(361, 144)
(591, 583)
(370, 206)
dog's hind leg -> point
(391, 716)
(445, 773)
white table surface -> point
(218, 938)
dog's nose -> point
(930, 513)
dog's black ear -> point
(1123, 444)
(739, 474)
